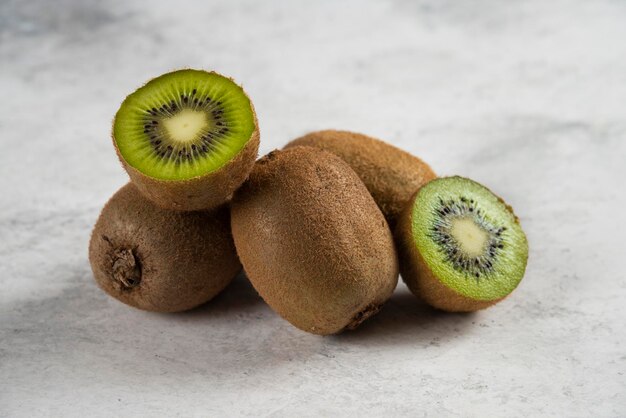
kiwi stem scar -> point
(125, 268)
(361, 316)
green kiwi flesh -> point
(161, 260)
(462, 247)
(312, 240)
(182, 128)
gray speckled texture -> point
(527, 97)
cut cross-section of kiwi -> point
(462, 247)
(188, 139)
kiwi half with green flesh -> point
(391, 175)
(161, 260)
(187, 139)
(312, 240)
(461, 247)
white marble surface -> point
(527, 97)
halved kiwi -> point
(462, 248)
(187, 139)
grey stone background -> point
(528, 97)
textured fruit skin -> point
(312, 240)
(199, 193)
(391, 175)
(172, 260)
(420, 279)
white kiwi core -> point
(186, 126)
(471, 238)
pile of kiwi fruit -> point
(322, 228)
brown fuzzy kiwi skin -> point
(420, 279)
(161, 260)
(312, 240)
(204, 192)
(390, 174)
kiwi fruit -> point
(390, 174)
(461, 247)
(187, 139)
(312, 240)
(161, 260)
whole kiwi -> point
(312, 240)
(161, 260)
(390, 174)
